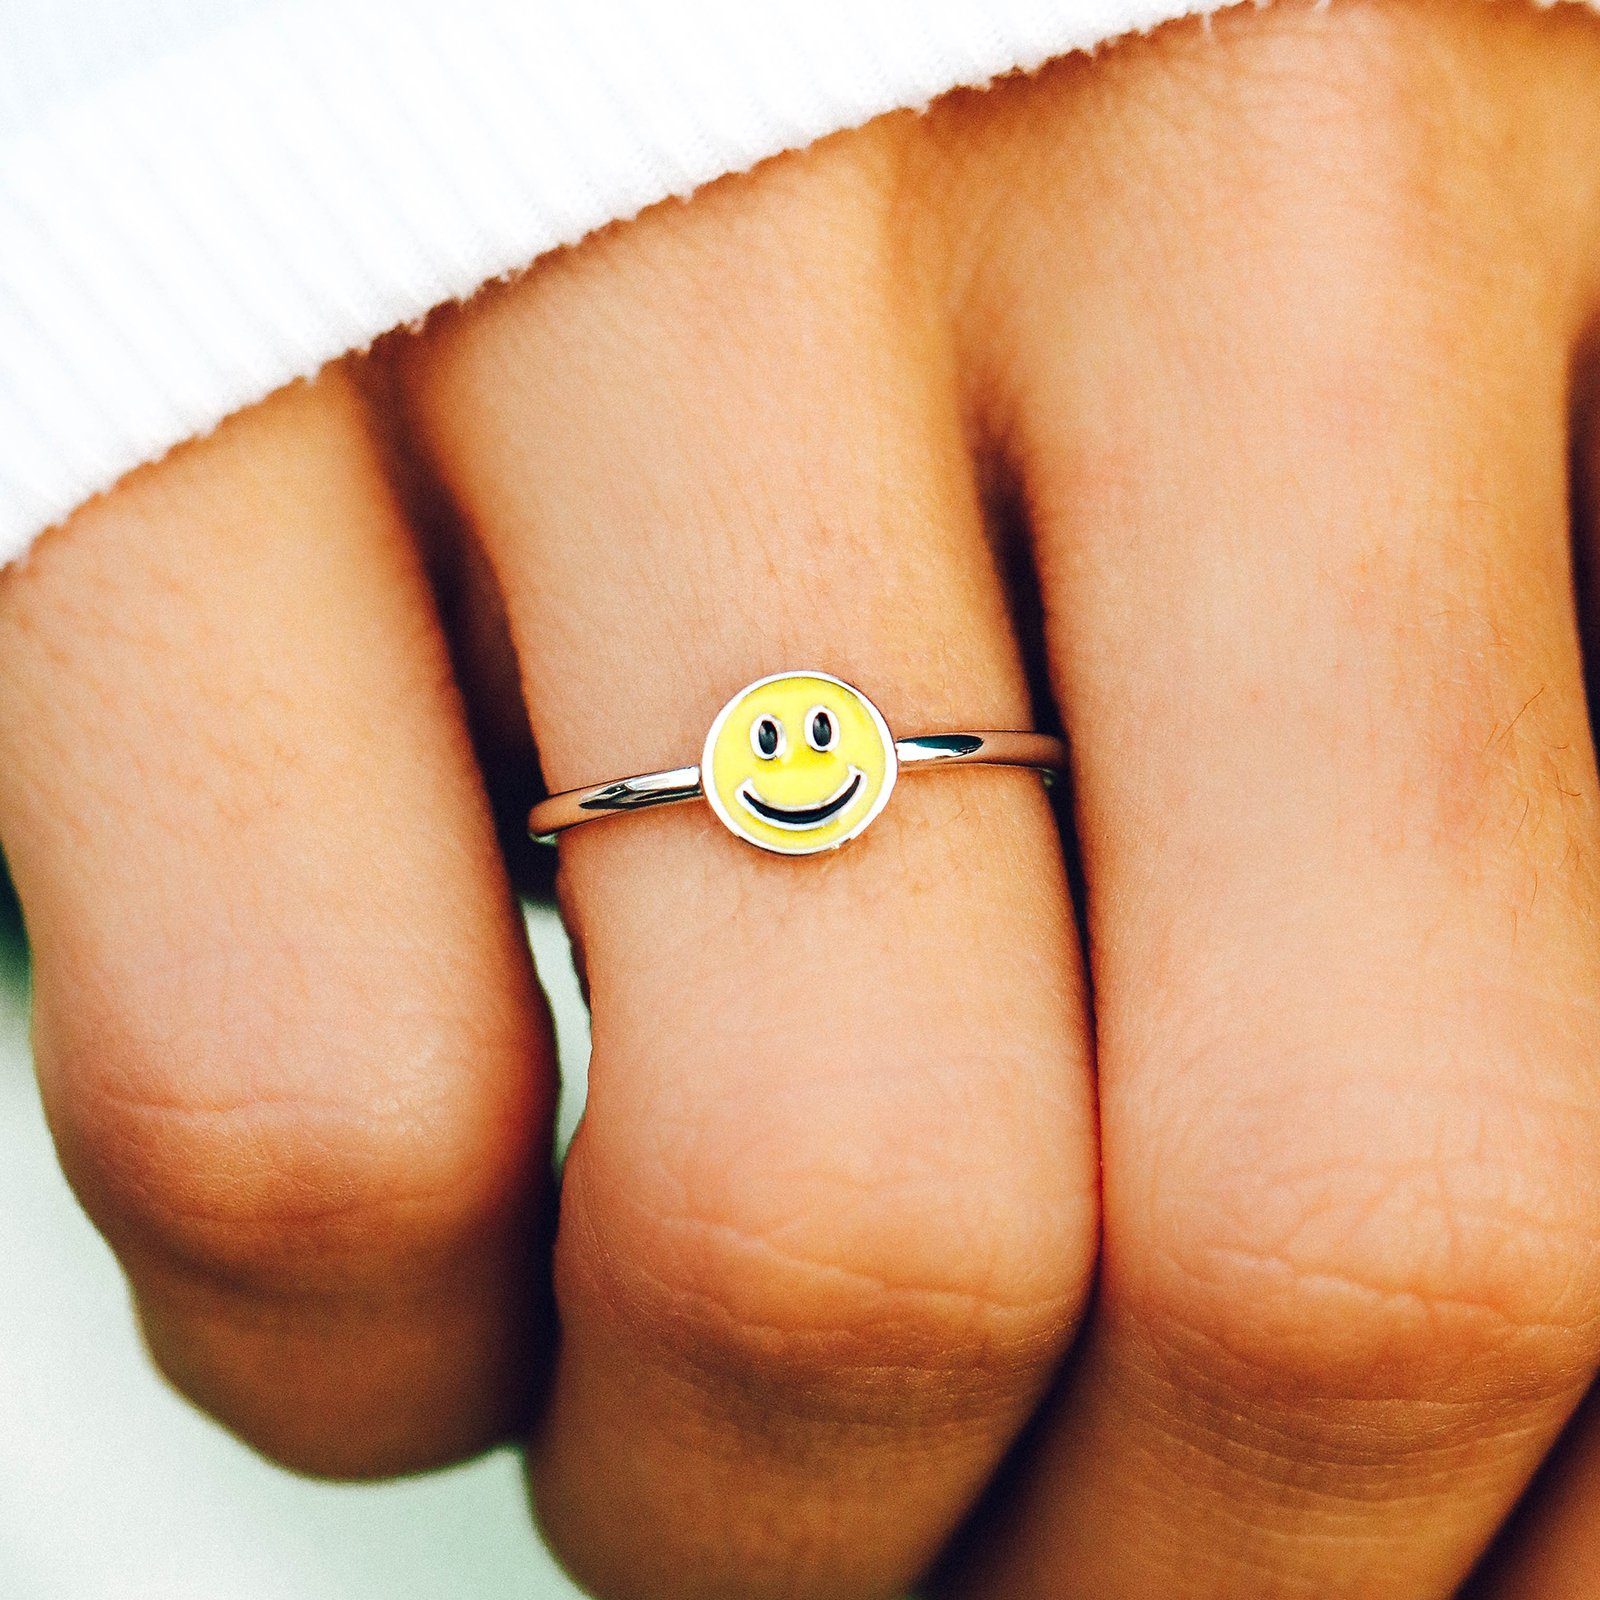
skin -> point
(1219, 395)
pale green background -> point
(111, 1488)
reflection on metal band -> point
(1042, 752)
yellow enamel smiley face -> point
(798, 763)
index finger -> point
(286, 1025)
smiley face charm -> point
(798, 763)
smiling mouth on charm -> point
(800, 817)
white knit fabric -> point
(203, 199)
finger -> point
(1551, 1550)
(286, 1026)
(830, 1215)
(1298, 482)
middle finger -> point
(831, 1213)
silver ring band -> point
(1041, 751)
(796, 764)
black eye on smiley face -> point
(769, 739)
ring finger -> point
(1298, 480)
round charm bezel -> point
(800, 845)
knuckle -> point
(1349, 1267)
(240, 1174)
(889, 1303)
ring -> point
(796, 763)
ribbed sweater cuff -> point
(210, 221)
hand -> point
(1251, 352)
